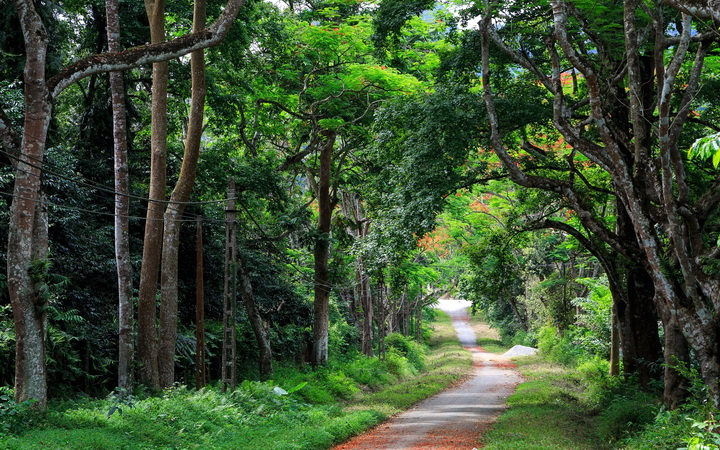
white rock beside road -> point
(520, 350)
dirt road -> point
(456, 417)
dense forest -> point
(201, 193)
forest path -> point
(456, 417)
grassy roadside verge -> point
(256, 415)
(546, 411)
(560, 407)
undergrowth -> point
(300, 409)
(569, 402)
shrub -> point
(627, 413)
(14, 417)
(558, 348)
(368, 371)
(398, 365)
(408, 348)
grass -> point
(338, 402)
(547, 411)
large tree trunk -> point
(174, 211)
(126, 339)
(25, 252)
(675, 386)
(25, 243)
(152, 242)
(321, 303)
(639, 325)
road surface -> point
(456, 417)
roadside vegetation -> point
(301, 408)
(568, 401)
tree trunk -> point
(256, 322)
(228, 370)
(640, 338)
(152, 242)
(25, 253)
(126, 339)
(675, 386)
(175, 209)
(321, 303)
(25, 243)
(354, 211)
(367, 309)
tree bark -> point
(152, 241)
(648, 174)
(200, 355)
(675, 386)
(126, 338)
(23, 243)
(321, 303)
(24, 250)
(175, 209)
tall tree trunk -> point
(175, 209)
(256, 322)
(24, 242)
(152, 243)
(639, 323)
(126, 340)
(354, 211)
(321, 303)
(366, 337)
(228, 370)
(675, 386)
(26, 215)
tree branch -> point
(146, 54)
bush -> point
(368, 371)
(557, 348)
(398, 365)
(14, 417)
(627, 413)
(408, 348)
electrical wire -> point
(101, 187)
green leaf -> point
(707, 147)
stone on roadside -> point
(520, 350)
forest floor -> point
(458, 416)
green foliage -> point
(707, 147)
(558, 347)
(594, 320)
(272, 414)
(15, 417)
(408, 348)
(120, 398)
(393, 15)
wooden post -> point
(200, 356)
(229, 352)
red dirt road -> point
(456, 417)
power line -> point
(185, 218)
(101, 187)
